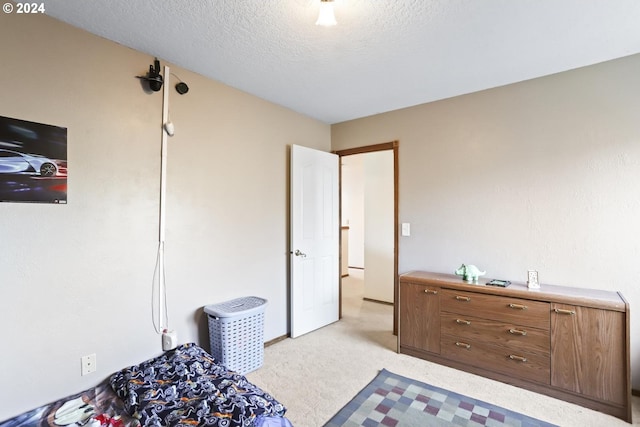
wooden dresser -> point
(568, 343)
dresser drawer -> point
(516, 363)
(512, 336)
(509, 310)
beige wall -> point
(76, 279)
(352, 188)
(378, 226)
(543, 175)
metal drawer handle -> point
(517, 332)
(459, 298)
(430, 291)
(518, 306)
(463, 344)
(518, 358)
(561, 311)
(463, 322)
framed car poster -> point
(33, 162)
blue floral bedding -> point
(95, 407)
(186, 387)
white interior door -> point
(314, 239)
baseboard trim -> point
(276, 340)
(357, 268)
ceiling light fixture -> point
(326, 18)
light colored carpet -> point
(315, 375)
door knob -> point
(298, 253)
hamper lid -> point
(235, 307)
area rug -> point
(393, 400)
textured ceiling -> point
(382, 55)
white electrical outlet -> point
(88, 364)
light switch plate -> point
(406, 229)
(532, 279)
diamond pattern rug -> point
(392, 400)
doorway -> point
(372, 203)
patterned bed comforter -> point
(183, 387)
(96, 407)
(186, 387)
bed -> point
(182, 387)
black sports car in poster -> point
(33, 162)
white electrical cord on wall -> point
(159, 301)
(160, 317)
